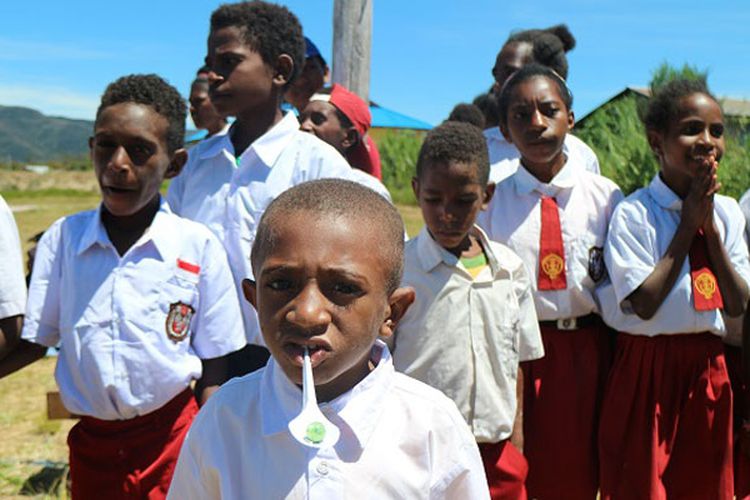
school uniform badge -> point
(597, 269)
(178, 321)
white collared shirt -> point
(278, 160)
(12, 281)
(466, 336)
(399, 439)
(642, 228)
(586, 202)
(503, 153)
(200, 191)
(111, 313)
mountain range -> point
(28, 136)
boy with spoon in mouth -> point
(328, 259)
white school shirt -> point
(734, 325)
(200, 191)
(641, 230)
(586, 202)
(465, 336)
(278, 160)
(503, 153)
(12, 281)
(110, 313)
(399, 439)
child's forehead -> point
(453, 170)
(134, 118)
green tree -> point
(615, 132)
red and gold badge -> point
(705, 284)
(178, 321)
(553, 265)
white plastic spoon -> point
(311, 427)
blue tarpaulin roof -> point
(381, 118)
(386, 118)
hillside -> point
(27, 135)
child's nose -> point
(120, 159)
(309, 311)
(536, 119)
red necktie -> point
(706, 293)
(551, 250)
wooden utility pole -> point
(352, 32)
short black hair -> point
(467, 113)
(337, 198)
(150, 90)
(455, 142)
(268, 29)
(527, 73)
(548, 46)
(665, 100)
(487, 104)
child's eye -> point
(551, 112)
(716, 131)
(346, 289)
(279, 285)
(139, 154)
(317, 118)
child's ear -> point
(506, 133)
(91, 148)
(283, 69)
(351, 138)
(489, 192)
(179, 158)
(655, 140)
(415, 187)
(399, 301)
(571, 120)
(250, 291)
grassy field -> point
(33, 450)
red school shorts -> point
(506, 470)
(129, 459)
(665, 430)
(733, 355)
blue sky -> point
(426, 55)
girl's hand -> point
(698, 205)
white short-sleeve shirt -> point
(465, 336)
(586, 202)
(399, 439)
(278, 160)
(12, 281)
(503, 154)
(642, 228)
(127, 346)
(200, 191)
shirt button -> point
(322, 469)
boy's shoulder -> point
(423, 404)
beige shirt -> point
(466, 336)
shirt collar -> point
(159, 232)
(663, 195)
(526, 183)
(215, 145)
(356, 412)
(269, 146)
(430, 253)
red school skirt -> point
(733, 355)
(506, 470)
(665, 430)
(562, 398)
(129, 459)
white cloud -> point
(27, 50)
(50, 100)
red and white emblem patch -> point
(178, 321)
